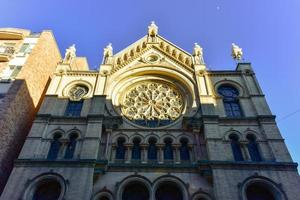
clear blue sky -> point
(267, 30)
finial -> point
(236, 52)
(198, 54)
(70, 54)
(152, 29)
(107, 54)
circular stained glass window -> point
(152, 103)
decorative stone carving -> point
(236, 52)
(198, 54)
(108, 54)
(152, 101)
(152, 29)
(77, 92)
(69, 55)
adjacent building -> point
(27, 60)
(153, 123)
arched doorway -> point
(168, 191)
(47, 190)
(259, 191)
(135, 191)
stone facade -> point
(153, 123)
(25, 73)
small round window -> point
(77, 92)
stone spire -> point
(107, 54)
(198, 54)
(69, 55)
(152, 29)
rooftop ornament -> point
(236, 52)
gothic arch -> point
(117, 136)
(103, 193)
(76, 131)
(232, 131)
(267, 183)
(165, 136)
(201, 196)
(184, 135)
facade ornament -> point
(69, 55)
(152, 32)
(198, 54)
(108, 54)
(236, 52)
(152, 29)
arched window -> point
(135, 191)
(259, 191)
(253, 148)
(120, 151)
(74, 108)
(47, 190)
(152, 150)
(54, 147)
(71, 146)
(168, 191)
(136, 149)
(184, 150)
(235, 146)
(230, 100)
(168, 149)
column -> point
(176, 153)
(160, 154)
(144, 154)
(128, 153)
(113, 153)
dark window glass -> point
(49, 190)
(253, 148)
(74, 108)
(152, 151)
(168, 150)
(236, 149)
(230, 100)
(168, 191)
(120, 151)
(135, 191)
(259, 192)
(71, 147)
(184, 150)
(136, 150)
(54, 147)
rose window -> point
(77, 92)
(152, 104)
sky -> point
(267, 30)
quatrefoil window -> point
(152, 103)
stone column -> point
(160, 154)
(113, 153)
(144, 158)
(176, 153)
(128, 153)
(191, 152)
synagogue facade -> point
(153, 123)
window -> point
(120, 151)
(258, 191)
(253, 148)
(54, 147)
(230, 101)
(47, 190)
(236, 149)
(71, 146)
(152, 151)
(15, 71)
(74, 108)
(168, 150)
(136, 150)
(184, 150)
(26, 48)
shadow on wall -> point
(17, 113)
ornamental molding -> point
(137, 49)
